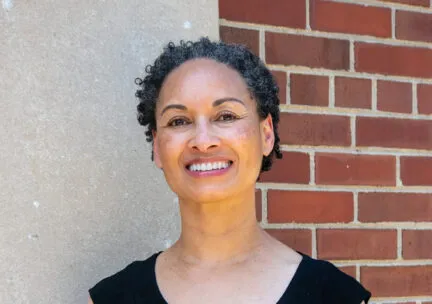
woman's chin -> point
(208, 196)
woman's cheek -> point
(167, 145)
(244, 135)
(247, 141)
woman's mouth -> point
(209, 168)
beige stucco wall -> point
(79, 196)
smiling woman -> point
(212, 111)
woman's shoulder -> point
(121, 287)
(328, 283)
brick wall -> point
(355, 184)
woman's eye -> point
(227, 117)
(177, 122)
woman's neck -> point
(219, 233)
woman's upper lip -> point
(202, 160)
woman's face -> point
(209, 139)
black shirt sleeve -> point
(342, 288)
(113, 289)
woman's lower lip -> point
(209, 173)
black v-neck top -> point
(315, 282)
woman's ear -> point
(267, 135)
(156, 156)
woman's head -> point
(210, 101)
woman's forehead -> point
(201, 77)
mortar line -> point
(288, 88)
(374, 94)
(399, 300)
(364, 226)
(325, 72)
(314, 243)
(355, 150)
(312, 167)
(398, 173)
(262, 44)
(379, 263)
(353, 120)
(300, 109)
(357, 266)
(352, 56)
(393, 23)
(346, 188)
(414, 99)
(399, 243)
(332, 35)
(308, 27)
(264, 212)
(356, 206)
(375, 3)
(331, 91)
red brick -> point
(314, 129)
(309, 90)
(393, 60)
(249, 38)
(309, 207)
(394, 96)
(346, 244)
(416, 171)
(307, 51)
(394, 133)
(294, 167)
(410, 2)
(417, 244)
(351, 169)
(297, 239)
(398, 281)
(349, 270)
(332, 16)
(353, 92)
(424, 98)
(395, 207)
(258, 205)
(281, 80)
(281, 12)
(413, 26)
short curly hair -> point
(258, 78)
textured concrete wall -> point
(79, 196)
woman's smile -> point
(209, 167)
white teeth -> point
(209, 166)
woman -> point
(212, 112)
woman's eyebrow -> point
(216, 103)
(220, 101)
(173, 106)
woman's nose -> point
(204, 137)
